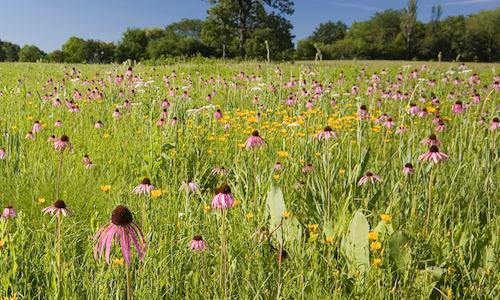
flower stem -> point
(430, 202)
(144, 213)
(204, 274)
(59, 175)
(129, 289)
(59, 250)
(255, 177)
(328, 178)
(223, 275)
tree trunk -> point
(243, 14)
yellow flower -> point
(313, 235)
(386, 218)
(286, 214)
(341, 171)
(377, 262)
(117, 261)
(14, 127)
(44, 125)
(283, 154)
(105, 136)
(211, 138)
(138, 132)
(41, 200)
(29, 103)
(277, 176)
(373, 236)
(431, 109)
(450, 293)
(209, 151)
(145, 117)
(375, 246)
(313, 227)
(30, 118)
(241, 145)
(174, 153)
(353, 142)
(329, 239)
(105, 188)
(249, 216)
(110, 161)
(318, 154)
(236, 203)
(2, 242)
(156, 193)
(221, 139)
(179, 131)
(207, 208)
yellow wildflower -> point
(341, 171)
(117, 261)
(105, 188)
(375, 246)
(377, 262)
(105, 136)
(249, 216)
(2, 242)
(329, 239)
(373, 236)
(386, 218)
(156, 193)
(41, 200)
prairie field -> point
(312, 180)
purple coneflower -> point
(370, 176)
(401, 129)
(495, 124)
(307, 168)
(58, 123)
(364, 112)
(63, 143)
(218, 114)
(116, 114)
(126, 230)
(189, 186)
(161, 122)
(389, 123)
(98, 125)
(326, 134)
(52, 139)
(144, 188)
(220, 171)
(254, 141)
(433, 155)
(58, 208)
(8, 212)
(278, 166)
(29, 136)
(2, 153)
(441, 126)
(164, 113)
(223, 198)
(86, 159)
(198, 244)
(36, 126)
(174, 121)
(457, 108)
(408, 169)
(432, 140)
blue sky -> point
(49, 23)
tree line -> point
(259, 30)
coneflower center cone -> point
(121, 216)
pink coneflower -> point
(278, 166)
(129, 71)
(326, 134)
(389, 123)
(58, 208)
(30, 136)
(209, 97)
(254, 140)
(8, 212)
(126, 104)
(432, 140)
(220, 171)
(164, 114)
(56, 102)
(161, 122)
(227, 126)
(364, 112)
(457, 108)
(174, 121)
(218, 114)
(372, 177)
(98, 125)
(441, 126)
(126, 230)
(90, 165)
(308, 168)
(433, 155)
(36, 126)
(86, 159)
(223, 198)
(495, 124)
(408, 169)
(2, 153)
(189, 186)
(401, 129)
(198, 244)
(309, 105)
(63, 143)
(165, 103)
(414, 109)
(58, 123)
(52, 139)
(116, 114)
(423, 113)
(144, 188)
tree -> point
(186, 28)
(329, 32)
(3, 53)
(30, 53)
(305, 50)
(133, 45)
(57, 56)
(482, 35)
(11, 51)
(240, 12)
(75, 50)
(408, 24)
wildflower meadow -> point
(237, 180)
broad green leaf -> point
(356, 246)
(398, 252)
(275, 204)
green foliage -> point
(30, 53)
(275, 205)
